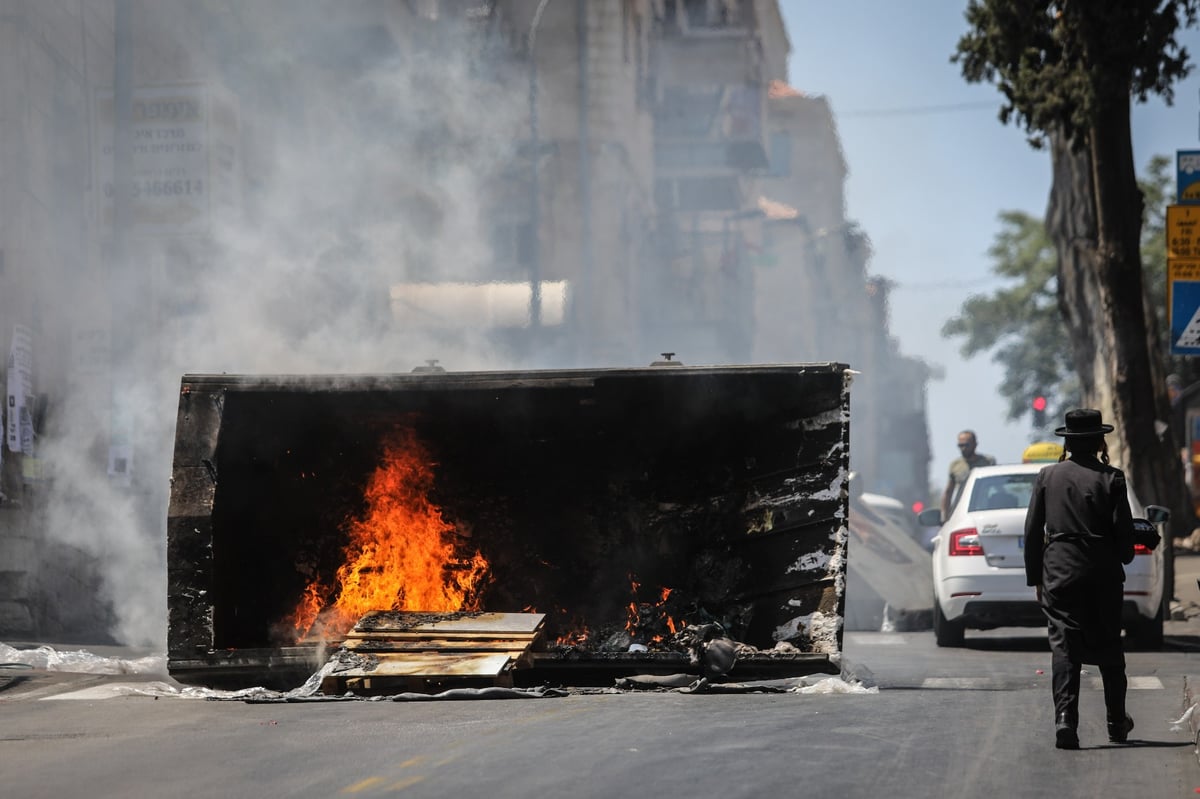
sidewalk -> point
(1186, 606)
(1184, 623)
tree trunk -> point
(1094, 219)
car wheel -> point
(1146, 633)
(945, 632)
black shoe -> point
(1065, 736)
(1118, 731)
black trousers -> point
(1064, 682)
(1085, 627)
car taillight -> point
(1141, 549)
(965, 542)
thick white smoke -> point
(365, 165)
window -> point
(781, 155)
(683, 155)
(698, 194)
(687, 112)
(512, 249)
(1002, 491)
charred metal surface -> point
(724, 484)
(602, 668)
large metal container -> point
(589, 494)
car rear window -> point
(1001, 491)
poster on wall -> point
(18, 411)
(183, 146)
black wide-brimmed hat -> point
(1084, 422)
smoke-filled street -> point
(507, 398)
(951, 724)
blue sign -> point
(1183, 288)
(1187, 177)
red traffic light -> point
(1039, 403)
(918, 506)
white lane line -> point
(1095, 683)
(16, 694)
(957, 682)
(1135, 683)
(863, 639)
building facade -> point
(312, 186)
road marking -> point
(1135, 683)
(50, 691)
(407, 782)
(957, 682)
(982, 683)
(94, 693)
(362, 785)
(863, 639)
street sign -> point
(1183, 303)
(1187, 177)
(1183, 231)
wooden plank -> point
(413, 621)
(413, 651)
(441, 645)
(422, 664)
(442, 635)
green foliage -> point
(1156, 186)
(1058, 63)
(1020, 323)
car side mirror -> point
(1145, 533)
(930, 518)
(1157, 514)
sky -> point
(931, 168)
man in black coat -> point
(1078, 535)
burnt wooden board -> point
(410, 650)
(421, 672)
(430, 664)
(438, 645)
(459, 624)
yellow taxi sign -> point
(1042, 452)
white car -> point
(979, 562)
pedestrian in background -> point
(960, 467)
(1078, 535)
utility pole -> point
(535, 195)
(584, 301)
(121, 285)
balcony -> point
(706, 18)
(710, 129)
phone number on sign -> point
(162, 188)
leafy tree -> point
(1069, 71)
(1021, 321)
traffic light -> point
(1039, 411)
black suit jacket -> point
(1079, 525)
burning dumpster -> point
(616, 508)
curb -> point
(1190, 713)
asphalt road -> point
(947, 723)
(907, 719)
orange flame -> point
(637, 612)
(400, 556)
(577, 632)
